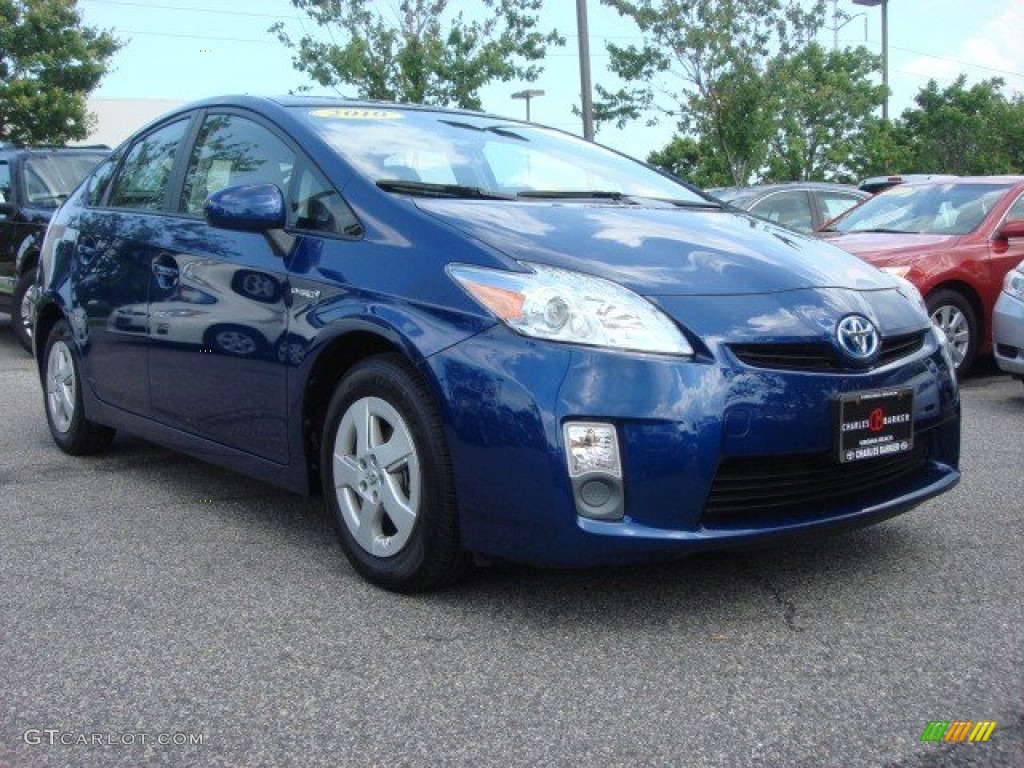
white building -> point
(117, 119)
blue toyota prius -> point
(483, 337)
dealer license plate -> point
(874, 424)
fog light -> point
(592, 456)
(592, 447)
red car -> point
(954, 239)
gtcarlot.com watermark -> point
(57, 737)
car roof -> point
(956, 180)
(9, 150)
(286, 101)
(759, 188)
(269, 105)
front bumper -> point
(679, 424)
(1008, 334)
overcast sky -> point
(189, 49)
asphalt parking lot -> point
(147, 598)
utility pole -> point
(885, 47)
(585, 87)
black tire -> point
(954, 315)
(398, 463)
(62, 398)
(21, 320)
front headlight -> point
(572, 307)
(1013, 283)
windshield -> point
(49, 179)
(486, 157)
(926, 209)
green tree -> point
(49, 63)
(820, 101)
(963, 130)
(881, 147)
(422, 54)
(701, 63)
(698, 162)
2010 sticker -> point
(354, 113)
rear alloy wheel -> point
(65, 415)
(953, 315)
(388, 480)
(24, 297)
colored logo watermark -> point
(958, 730)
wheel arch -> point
(352, 342)
(28, 255)
(974, 299)
(47, 316)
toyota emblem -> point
(857, 337)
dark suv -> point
(33, 183)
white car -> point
(1008, 324)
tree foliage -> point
(696, 161)
(819, 102)
(49, 63)
(702, 63)
(967, 131)
(421, 53)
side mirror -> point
(1011, 229)
(7, 210)
(249, 208)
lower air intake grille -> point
(744, 486)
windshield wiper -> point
(619, 197)
(496, 129)
(428, 189)
(572, 194)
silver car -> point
(1008, 324)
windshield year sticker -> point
(357, 114)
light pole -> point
(583, 31)
(528, 94)
(885, 47)
(838, 24)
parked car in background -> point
(481, 336)
(33, 182)
(1008, 324)
(955, 240)
(877, 184)
(799, 205)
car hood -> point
(883, 248)
(660, 251)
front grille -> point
(821, 355)
(749, 485)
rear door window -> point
(146, 172)
(791, 209)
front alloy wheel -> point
(953, 315)
(377, 476)
(387, 478)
